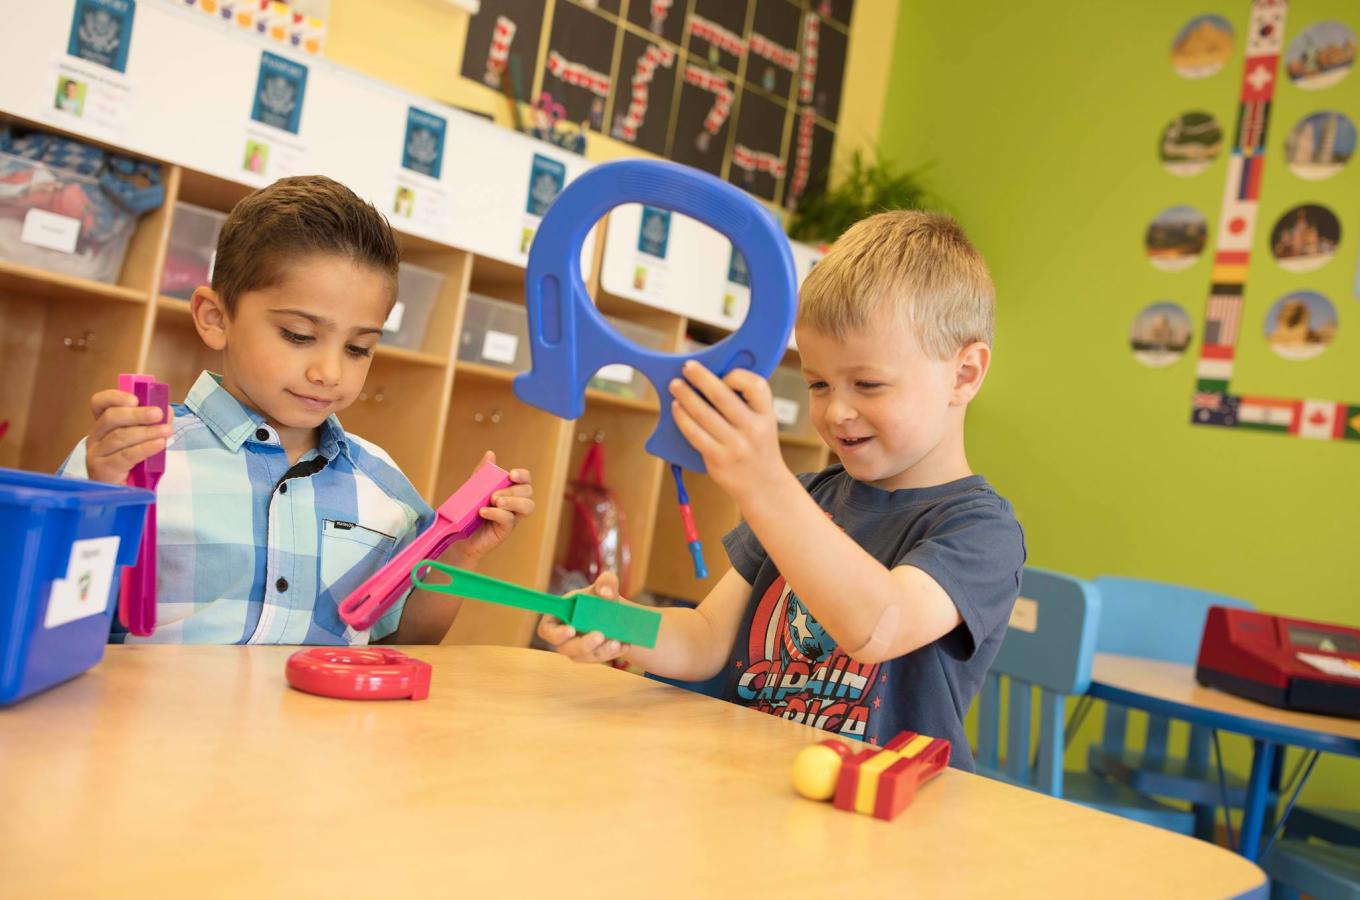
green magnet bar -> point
(584, 612)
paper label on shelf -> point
(85, 590)
(785, 410)
(1332, 665)
(418, 204)
(87, 98)
(45, 229)
(500, 347)
(616, 372)
(1025, 615)
(394, 318)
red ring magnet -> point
(359, 673)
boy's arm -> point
(874, 612)
(871, 611)
(692, 645)
(425, 618)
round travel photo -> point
(1301, 325)
(1176, 238)
(1202, 46)
(1305, 238)
(1320, 56)
(1160, 334)
(1320, 145)
(1190, 143)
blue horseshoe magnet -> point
(570, 340)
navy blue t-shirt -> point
(963, 534)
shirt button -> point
(283, 488)
(261, 434)
(281, 584)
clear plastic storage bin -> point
(193, 247)
(417, 292)
(495, 333)
(60, 221)
(790, 400)
(621, 380)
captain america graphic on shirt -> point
(792, 668)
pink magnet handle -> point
(455, 519)
(137, 583)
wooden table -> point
(1170, 689)
(196, 771)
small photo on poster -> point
(1190, 143)
(1176, 238)
(423, 148)
(1299, 326)
(655, 233)
(1305, 238)
(101, 31)
(1320, 145)
(256, 159)
(547, 177)
(1160, 335)
(279, 91)
(836, 10)
(70, 96)
(1202, 46)
(404, 202)
(1320, 56)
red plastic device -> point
(1289, 663)
(359, 673)
(455, 519)
(137, 584)
(893, 773)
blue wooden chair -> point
(1335, 826)
(1049, 648)
(1325, 871)
(1152, 620)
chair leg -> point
(1281, 891)
(1206, 822)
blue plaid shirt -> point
(251, 551)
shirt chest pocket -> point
(351, 552)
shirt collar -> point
(235, 424)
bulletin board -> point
(747, 90)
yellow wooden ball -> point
(815, 770)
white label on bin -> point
(85, 590)
(500, 347)
(45, 229)
(1332, 665)
(785, 411)
(393, 323)
(616, 372)
(1025, 615)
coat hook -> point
(493, 417)
(377, 397)
(597, 437)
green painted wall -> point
(1043, 122)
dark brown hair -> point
(296, 217)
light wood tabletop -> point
(196, 771)
(1175, 683)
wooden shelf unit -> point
(64, 338)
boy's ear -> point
(970, 368)
(210, 317)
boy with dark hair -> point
(269, 513)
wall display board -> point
(748, 90)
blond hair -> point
(918, 266)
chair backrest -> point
(1048, 647)
(1154, 620)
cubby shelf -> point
(64, 338)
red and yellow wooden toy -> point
(877, 781)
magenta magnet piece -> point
(137, 585)
(455, 519)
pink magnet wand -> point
(696, 549)
(137, 584)
(455, 519)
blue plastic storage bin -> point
(62, 543)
